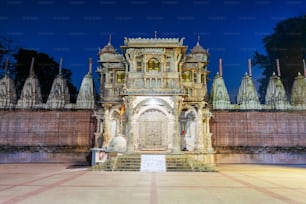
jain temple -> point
(153, 100)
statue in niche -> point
(57, 90)
(189, 131)
(99, 139)
(153, 65)
(190, 118)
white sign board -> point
(153, 163)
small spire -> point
(278, 68)
(32, 67)
(198, 42)
(109, 39)
(90, 65)
(304, 67)
(155, 34)
(220, 67)
(60, 66)
(6, 66)
(250, 67)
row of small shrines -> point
(59, 97)
(247, 99)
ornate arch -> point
(154, 103)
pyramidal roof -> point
(198, 49)
(108, 49)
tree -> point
(6, 51)
(288, 44)
(46, 69)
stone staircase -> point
(128, 163)
(174, 163)
(177, 163)
(120, 163)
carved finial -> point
(299, 73)
(60, 66)
(90, 65)
(304, 68)
(250, 67)
(32, 67)
(220, 67)
(198, 42)
(6, 66)
(109, 39)
(273, 74)
(278, 68)
(155, 34)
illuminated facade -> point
(153, 97)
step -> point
(174, 163)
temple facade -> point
(153, 97)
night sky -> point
(74, 30)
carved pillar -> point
(99, 131)
(207, 134)
(106, 125)
(200, 137)
(176, 137)
(130, 124)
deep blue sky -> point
(76, 29)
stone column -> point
(130, 124)
(99, 131)
(176, 137)
(106, 125)
(200, 139)
(207, 134)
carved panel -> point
(153, 131)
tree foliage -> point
(288, 44)
(45, 68)
(6, 51)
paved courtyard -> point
(61, 183)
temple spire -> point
(220, 67)
(304, 67)
(198, 42)
(278, 68)
(90, 66)
(109, 39)
(250, 67)
(60, 66)
(155, 34)
(32, 67)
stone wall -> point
(45, 136)
(67, 136)
(259, 137)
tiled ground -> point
(57, 183)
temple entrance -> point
(153, 131)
